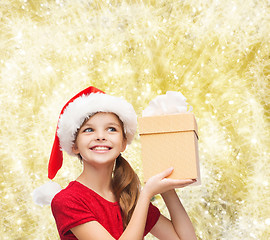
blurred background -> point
(216, 53)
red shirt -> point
(78, 204)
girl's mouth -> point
(100, 148)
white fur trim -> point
(44, 194)
(86, 105)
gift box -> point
(170, 141)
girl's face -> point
(100, 139)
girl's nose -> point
(100, 139)
(100, 136)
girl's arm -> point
(180, 226)
(135, 229)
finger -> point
(185, 184)
(179, 181)
(176, 183)
(166, 173)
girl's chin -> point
(100, 159)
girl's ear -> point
(124, 145)
(75, 149)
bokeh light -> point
(215, 52)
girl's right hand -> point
(160, 183)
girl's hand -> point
(159, 183)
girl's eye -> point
(112, 129)
(88, 130)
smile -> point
(101, 148)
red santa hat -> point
(86, 103)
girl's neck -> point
(99, 180)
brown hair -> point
(126, 187)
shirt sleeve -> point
(69, 212)
(152, 218)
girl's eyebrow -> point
(88, 124)
(109, 123)
(115, 124)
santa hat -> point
(86, 103)
(80, 107)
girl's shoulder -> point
(77, 193)
(67, 194)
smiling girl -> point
(106, 201)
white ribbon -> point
(170, 103)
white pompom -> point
(44, 194)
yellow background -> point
(215, 52)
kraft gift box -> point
(170, 141)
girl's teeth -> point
(100, 148)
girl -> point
(105, 201)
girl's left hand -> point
(160, 183)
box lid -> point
(168, 123)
